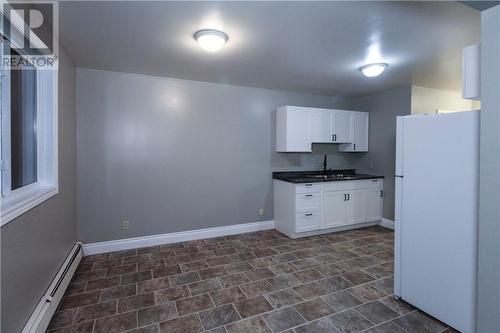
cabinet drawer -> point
(307, 221)
(347, 185)
(307, 202)
(307, 188)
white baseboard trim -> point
(174, 237)
(386, 223)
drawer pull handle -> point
(308, 185)
(308, 214)
(308, 195)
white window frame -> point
(17, 202)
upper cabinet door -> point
(359, 130)
(341, 126)
(293, 129)
(321, 126)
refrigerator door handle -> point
(399, 176)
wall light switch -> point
(125, 225)
(261, 211)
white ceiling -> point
(299, 46)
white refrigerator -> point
(437, 169)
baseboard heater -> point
(40, 318)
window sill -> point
(13, 207)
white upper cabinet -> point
(292, 129)
(341, 126)
(297, 128)
(471, 72)
(359, 132)
(321, 126)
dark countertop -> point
(321, 177)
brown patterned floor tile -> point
(96, 257)
(225, 251)
(171, 294)
(228, 295)
(349, 321)
(243, 256)
(103, 283)
(175, 260)
(358, 263)
(148, 249)
(62, 318)
(135, 302)
(118, 292)
(318, 326)
(385, 285)
(166, 271)
(306, 263)
(217, 261)
(251, 325)
(341, 300)
(376, 312)
(194, 304)
(357, 277)
(308, 275)
(184, 278)
(380, 271)
(233, 280)
(205, 286)
(257, 288)
(284, 281)
(388, 327)
(118, 270)
(152, 285)
(146, 329)
(238, 267)
(118, 323)
(74, 301)
(186, 250)
(366, 293)
(260, 253)
(284, 319)
(186, 324)
(219, 316)
(75, 288)
(136, 277)
(156, 314)
(253, 306)
(311, 290)
(399, 306)
(283, 298)
(193, 266)
(283, 268)
(417, 322)
(259, 274)
(87, 276)
(262, 262)
(94, 311)
(107, 263)
(213, 272)
(137, 259)
(78, 328)
(330, 269)
(314, 309)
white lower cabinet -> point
(305, 209)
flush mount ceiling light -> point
(210, 40)
(372, 70)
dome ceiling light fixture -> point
(373, 70)
(210, 40)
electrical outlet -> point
(125, 225)
(261, 211)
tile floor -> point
(255, 282)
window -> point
(28, 135)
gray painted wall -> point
(489, 179)
(34, 245)
(384, 107)
(169, 155)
